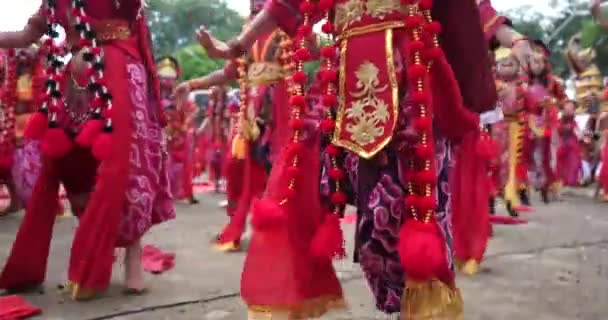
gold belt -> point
(108, 30)
(261, 73)
(351, 12)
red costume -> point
(119, 189)
(393, 169)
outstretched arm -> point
(216, 78)
(32, 32)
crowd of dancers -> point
(401, 130)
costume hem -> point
(312, 308)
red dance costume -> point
(295, 232)
(118, 189)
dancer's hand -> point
(215, 49)
(181, 93)
(522, 51)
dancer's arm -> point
(217, 78)
(31, 32)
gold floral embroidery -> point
(349, 12)
(368, 113)
(352, 11)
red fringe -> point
(328, 242)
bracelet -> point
(518, 38)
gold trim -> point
(342, 99)
(352, 11)
(431, 300)
(312, 308)
(79, 293)
(262, 73)
(370, 28)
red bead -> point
(413, 22)
(339, 198)
(411, 201)
(107, 113)
(423, 124)
(424, 152)
(332, 150)
(420, 97)
(327, 28)
(433, 28)
(329, 76)
(304, 30)
(426, 177)
(329, 100)
(296, 124)
(328, 125)
(298, 101)
(300, 77)
(433, 54)
(328, 52)
(426, 204)
(417, 71)
(307, 7)
(84, 42)
(292, 172)
(416, 46)
(302, 54)
(337, 174)
(96, 50)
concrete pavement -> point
(553, 268)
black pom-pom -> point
(80, 27)
(88, 56)
(94, 86)
(90, 34)
(106, 96)
(98, 66)
(56, 94)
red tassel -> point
(56, 143)
(422, 250)
(36, 126)
(102, 146)
(266, 214)
(89, 132)
(328, 242)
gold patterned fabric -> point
(350, 12)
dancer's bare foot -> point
(134, 277)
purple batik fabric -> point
(26, 169)
(148, 200)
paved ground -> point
(554, 268)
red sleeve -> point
(490, 20)
(286, 13)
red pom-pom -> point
(302, 54)
(417, 71)
(56, 143)
(433, 27)
(422, 250)
(36, 126)
(328, 125)
(296, 124)
(425, 4)
(425, 152)
(307, 7)
(325, 5)
(423, 124)
(547, 133)
(6, 162)
(416, 45)
(102, 146)
(304, 30)
(420, 97)
(339, 198)
(107, 113)
(295, 149)
(328, 242)
(89, 132)
(487, 148)
(426, 204)
(297, 100)
(433, 54)
(332, 150)
(299, 77)
(412, 22)
(327, 28)
(266, 214)
(337, 174)
(328, 52)
(411, 201)
(427, 177)
(329, 100)
(329, 76)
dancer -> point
(569, 154)
(544, 97)
(380, 91)
(262, 129)
(511, 178)
(106, 185)
(179, 132)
